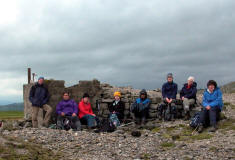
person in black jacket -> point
(116, 109)
(166, 109)
(39, 97)
(188, 96)
(140, 108)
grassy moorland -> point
(12, 115)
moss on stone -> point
(167, 144)
(156, 130)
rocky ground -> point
(158, 140)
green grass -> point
(11, 151)
(201, 136)
(11, 115)
(228, 124)
(156, 130)
(168, 144)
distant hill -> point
(12, 107)
(228, 88)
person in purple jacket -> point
(67, 109)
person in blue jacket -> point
(212, 105)
(140, 108)
(169, 91)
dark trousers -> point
(89, 120)
(167, 110)
(210, 117)
(74, 119)
(141, 114)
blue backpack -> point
(194, 122)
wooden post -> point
(29, 75)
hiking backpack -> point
(194, 122)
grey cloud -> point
(123, 43)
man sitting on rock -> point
(67, 110)
(169, 91)
(188, 96)
(39, 97)
(140, 108)
(116, 109)
(212, 105)
(86, 114)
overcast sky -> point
(123, 43)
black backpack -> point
(194, 122)
(67, 124)
(107, 126)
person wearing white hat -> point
(188, 95)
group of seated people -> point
(68, 109)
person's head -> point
(40, 80)
(211, 85)
(170, 77)
(143, 94)
(190, 80)
(66, 95)
(86, 97)
(117, 96)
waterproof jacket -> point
(118, 108)
(84, 109)
(68, 107)
(38, 95)
(140, 104)
(189, 92)
(213, 99)
(169, 90)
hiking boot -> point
(200, 129)
(187, 116)
(213, 129)
(142, 122)
(172, 117)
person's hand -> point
(182, 98)
(74, 114)
(62, 114)
(170, 100)
(208, 107)
(93, 115)
(167, 100)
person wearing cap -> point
(39, 98)
(85, 113)
(116, 109)
(212, 105)
(188, 96)
(140, 108)
(169, 92)
(67, 109)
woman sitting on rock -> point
(212, 106)
(116, 109)
(188, 96)
(140, 108)
(85, 113)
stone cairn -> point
(101, 95)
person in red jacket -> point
(85, 112)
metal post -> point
(29, 75)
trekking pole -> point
(195, 129)
(126, 124)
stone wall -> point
(101, 95)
